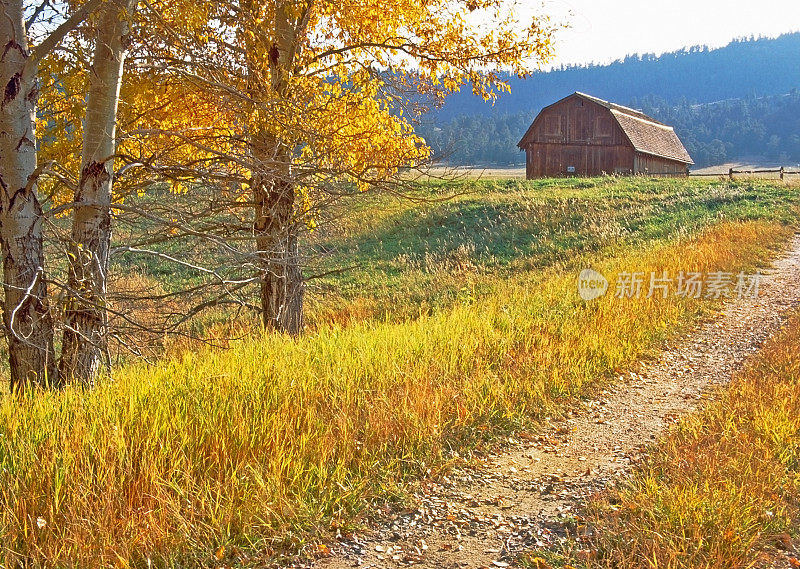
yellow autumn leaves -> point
(331, 80)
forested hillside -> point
(714, 133)
(737, 101)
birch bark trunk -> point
(27, 320)
(85, 343)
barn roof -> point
(645, 133)
(652, 138)
(619, 108)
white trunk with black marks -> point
(27, 320)
(86, 318)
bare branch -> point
(54, 38)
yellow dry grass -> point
(253, 448)
(723, 489)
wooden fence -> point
(782, 172)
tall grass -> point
(423, 257)
(723, 489)
(228, 456)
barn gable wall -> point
(553, 160)
(577, 121)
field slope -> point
(232, 456)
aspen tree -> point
(85, 340)
(27, 320)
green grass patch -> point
(464, 238)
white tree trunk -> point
(27, 321)
(86, 318)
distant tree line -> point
(734, 129)
(476, 139)
(744, 68)
(725, 104)
(713, 133)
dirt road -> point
(519, 499)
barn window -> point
(552, 125)
(602, 126)
(579, 126)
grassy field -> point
(462, 323)
(723, 490)
(425, 256)
(387, 258)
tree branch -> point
(51, 42)
(39, 9)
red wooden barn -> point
(582, 135)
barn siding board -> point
(586, 133)
(657, 166)
(553, 160)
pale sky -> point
(602, 31)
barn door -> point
(574, 164)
